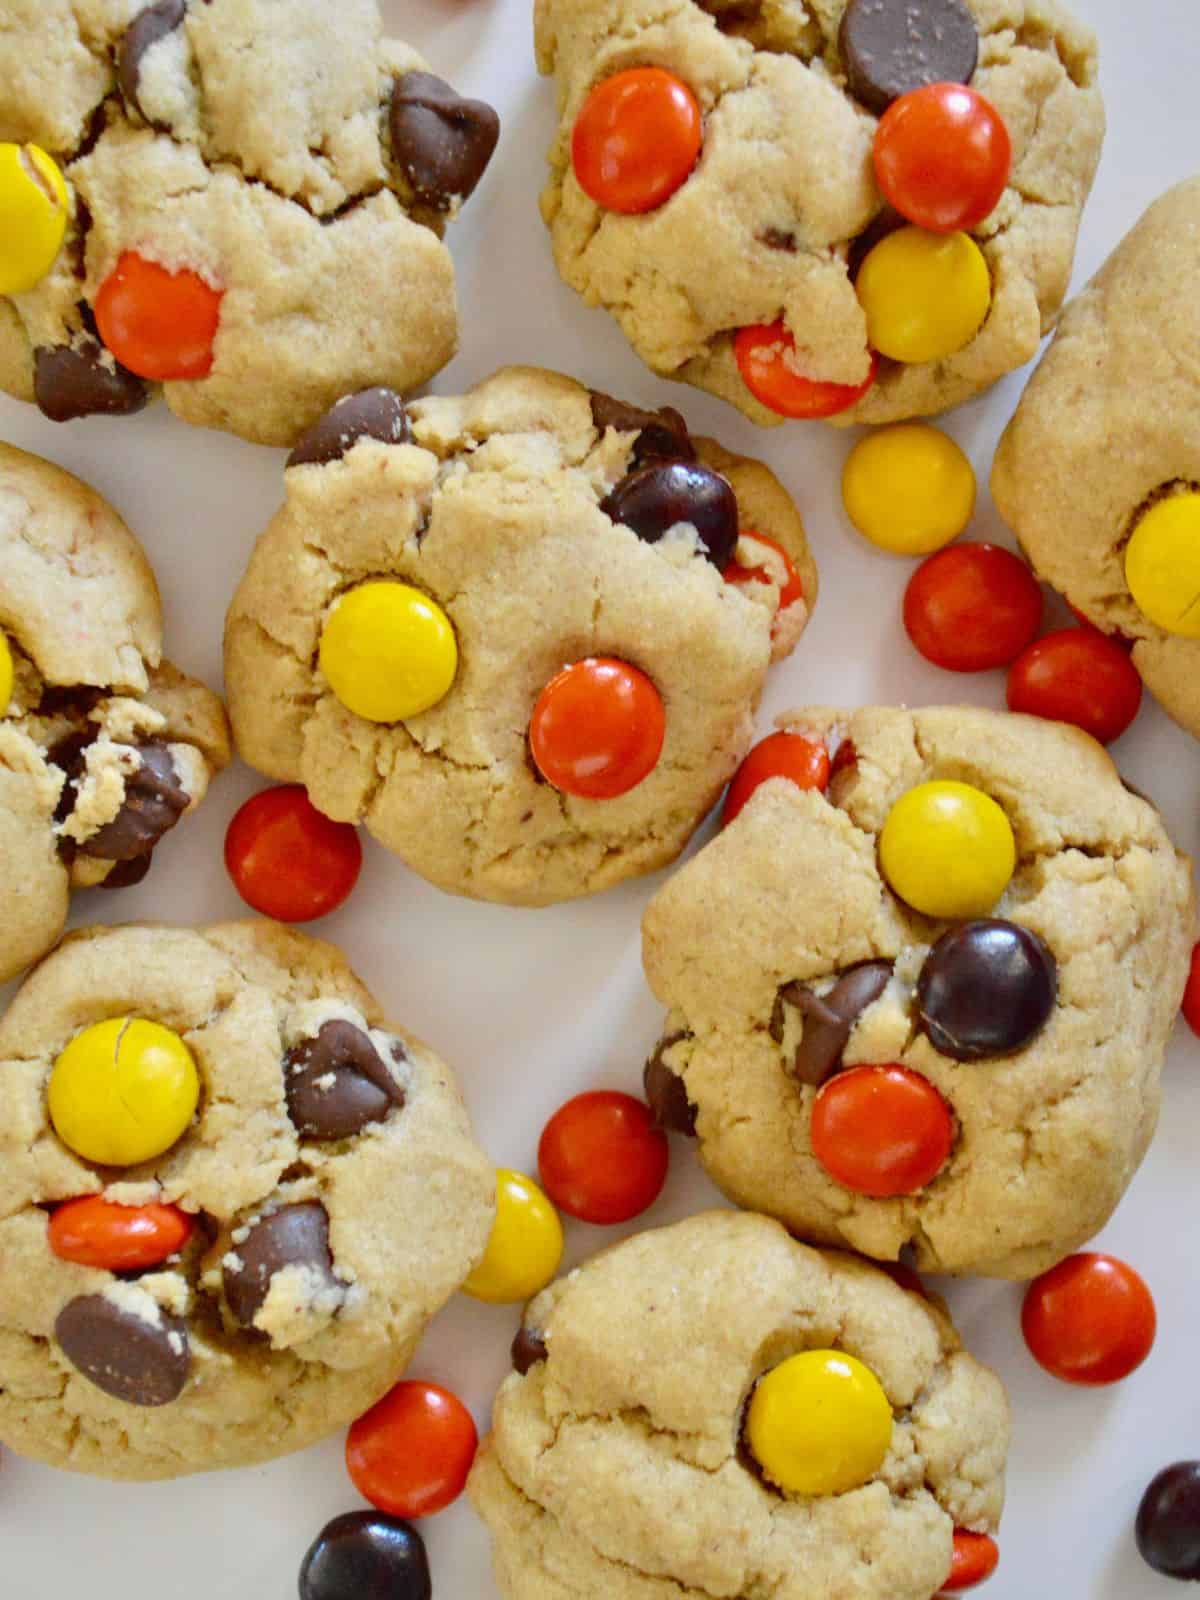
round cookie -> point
(296, 167)
(501, 508)
(337, 1196)
(782, 206)
(617, 1466)
(1034, 1030)
(104, 745)
(1123, 366)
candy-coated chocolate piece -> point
(598, 728)
(377, 413)
(388, 651)
(295, 1236)
(1168, 1522)
(525, 1246)
(287, 859)
(889, 49)
(666, 1093)
(441, 142)
(829, 1018)
(881, 1131)
(804, 762)
(123, 1091)
(95, 1232)
(975, 1558)
(947, 849)
(6, 675)
(1162, 565)
(1191, 994)
(819, 1424)
(1077, 675)
(767, 562)
(766, 358)
(908, 488)
(926, 295)
(987, 988)
(159, 324)
(972, 607)
(528, 1350)
(364, 1555)
(1090, 1320)
(143, 1360)
(337, 1083)
(665, 494)
(942, 157)
(601, 1157)
(34, 207)
(636, 139)
(410, 1454)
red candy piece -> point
(93, 1232)
(636, 139)
(975, 1558)
(942, 157)
(765, 354)
(972, 607)
(780, 755)
(1077, 675)
(159, 324)
(597, 729)
(601, 1158)
(287, 860)
(411, 1453)
(792, 588)
(881, 1131)
(1191, 995)
(1090, 1320)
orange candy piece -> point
(780, 755)
(411, 1452)
(598, 728)
(159, 324)
(93, 1232)
(881, 1131)
(636, 139)
(975, 1558)
(792, 588)
(764, 353)
(1090, 1320)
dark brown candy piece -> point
(293, 1236)
(154, 802)
(654, 498)
(369, 414)
(987, 989)
(528, 1349)
(142, 1363)
(441, 142)
(144, 32)
(337, 1083)
(661, 435)
(891, 46)
(365, 1555)
(666, 1092)
(75, 381)
(829, 1019)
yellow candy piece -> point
(388, 651)
(926, 295)
(908, 488)
(6, 675)
(34, 206)
(123, 1091)
(526, 1245)
(948, 850)
(1162, 565)
(819, 1423)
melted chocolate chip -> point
(75, 381)
(125, 874)
(661, 435)
(142, 1363)
(987, 989)
(154, 802)
(293, 1236)
(153, 24)
(829, 1019)
(666, 1092)
(72, 700)
(891, 46)
(337, 1083)
(441, 142)
(370, 414)
(364, 1555)
(654, 498)
(528, 1349)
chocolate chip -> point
(142, 1363)
(75, 381)
(661, 435)
(829, 1019)
(441, 142)
(293, 1236)
(153, 24)
(666, 1092)
(72, 700)
(126, 874)
(364, 1555)
(154, 802)
(528, 1349)
(987, 989)
(369, 414)
(337, 1083)
(654, 498)
(891, 46)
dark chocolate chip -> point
(441, 142)
(69, 754)
(154, 802)
(654, 498)
(293, 1236)
(891, 46)
(72, 700)
(987, 989)
(528, 1349)
(829, 1018)
(665, 1091)
(661, 435)
(365, 1555)
(153, 24)
(76, 381)
(126, 874)
(337, 1083)
(369, 414)
(142, 1363)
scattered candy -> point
(766, 358)
(6, 675)
(888, 50)
(1077, 675)
(525, 1246)
(908, 488)
(388, 651)
(636, 139)
(410, 1454)
(366, 1556)
(1090, 1320)
(942, 157)
(34, 207)
(289, 861)
(1168, 1522)
(987, 988)
(601, 1158)
(881, 1131)
(663, 495)
(141, 1361)
(159, 324)
(772, 566)
(819, 1423)
(975, 1558)
(804, 762)
(1162, 565)
(926, 295)
(1191, 994)
(94, 1232)
(948, 850)
(972, 608)
(123, 1091)
(597, 729)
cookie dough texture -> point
(1047, 1140)
(614, 1467)
(409, 1202)
(494, 511)
(1104, 429)
(80, 611)
(767, 224)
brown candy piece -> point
(891, 46)
(370, 414)
(657, 497)
(441, 142)
(72, 381)
(661, 435)
(666, 1093)
(144, 32)
(528, 1349)
(294, 1236)
(337, 1083)
(154, 802)
(830, 1018)
(142, 1363)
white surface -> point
(531, 1007)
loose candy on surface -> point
(388, 651)
(942, 157)
(888, 50)
(1162, 565)
(1168, 1522)
(35, 205)
(908, 488)
(143, 1360)
(159, 324)
(410, 1454)
(95, 1232)
(972, 608)
(525, 1246)
(767, 360)
(364, 1555)
(6, 675)
(925, 295)
(975, 1558)
(819, 1424)
(636, 139)
(666, 494)
(772, 566)
(804, 762)
(947, 849)
(881, 1130)
(987, 988)
(289, 861)
(602, 1159)
(1077, 675)
(123, 1091)
(597, 729)
(1090, 1320)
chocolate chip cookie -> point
(104, 745)
(620, 1460)
(291, 1298)
(255, 198)
(519, 634)
(977, 1081)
